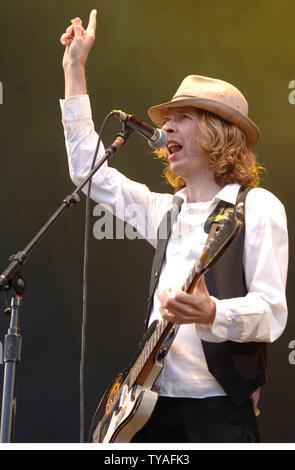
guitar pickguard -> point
(113, 395)
(129, 413)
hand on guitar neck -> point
(181, 307)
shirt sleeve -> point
(130, 201)
(261, 315)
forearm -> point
(75, 80)
(244, 319)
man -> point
(214, 369)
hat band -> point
(184, 96)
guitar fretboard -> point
(147, 351)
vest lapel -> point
(164, 232)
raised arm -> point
(127, 199)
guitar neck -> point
(192, 280)
(141, 369)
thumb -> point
(92, 22)
(201, 285)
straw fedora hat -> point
(216, 96)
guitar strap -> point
(165, 228)
(222, 207)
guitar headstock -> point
(224, 229)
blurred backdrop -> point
(142, 52)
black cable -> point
(85, 293)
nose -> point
(169, 126)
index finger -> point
(92, 22)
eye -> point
(165, 119)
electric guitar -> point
(128, 403)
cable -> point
(85, 282)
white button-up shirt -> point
(261, 315)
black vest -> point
(240, 368)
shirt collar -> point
(228, 193)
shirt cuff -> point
(217, 331)
(76, 108)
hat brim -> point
(250, 130)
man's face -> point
(185, 155)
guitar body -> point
(123, 411)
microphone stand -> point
(12, 279)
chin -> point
(177, 170)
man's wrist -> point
(213, 313)
(75, 80)
(74, 67)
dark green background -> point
(142, 52)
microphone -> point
(157, 138)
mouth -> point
(173, 148)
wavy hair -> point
(229, 157)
